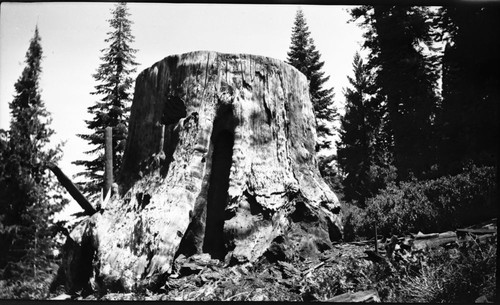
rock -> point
(259, 296)
(482, 299)
(368, 296)
(202, 259)
(220, 158)
(62, 297)
(119, 297)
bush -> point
(354, 221)
(21, 282)
(466, 198)
(25, 289)
(457, 274)
(454, 276)
(434, 205)
(401, 209)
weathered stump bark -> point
(220, 159)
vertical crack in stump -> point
(217, 197)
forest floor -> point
(455, 266)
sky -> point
(73, 36)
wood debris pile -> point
(406, 247)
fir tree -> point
(361, 154)
(112, 110)
(27, 202)
(406, 78)
(468, 117)
(304, 56)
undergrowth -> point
(442, 275)
(436, 205)
(21, 281)
(436, 276)
(26, 288)
(456, 275)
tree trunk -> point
(108, 155)
(72, 189)
(237, 177)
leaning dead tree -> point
(72, 189)
(108, 177)
(220, 159)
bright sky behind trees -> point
(73, 35)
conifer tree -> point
(304, 56)
(360, 152)
(112, 110)
(27, 200)
(406, 78)
(468, 117)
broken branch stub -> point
(238, 175)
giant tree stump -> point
(220, 159)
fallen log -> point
(72, 190)
(420, 235)
(485, 224)
(356, 297)
(475, 231)
(441, 239)
(477, 239)
(357, 243)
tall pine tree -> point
(27, 200)
(468, 118)
(406, 78)
(361, 155)
(304, 56)
(112, 110)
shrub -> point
(434, 205)
(25, 289)
(23, 282)
(446, 276)
(466, 198)
(354, 220)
